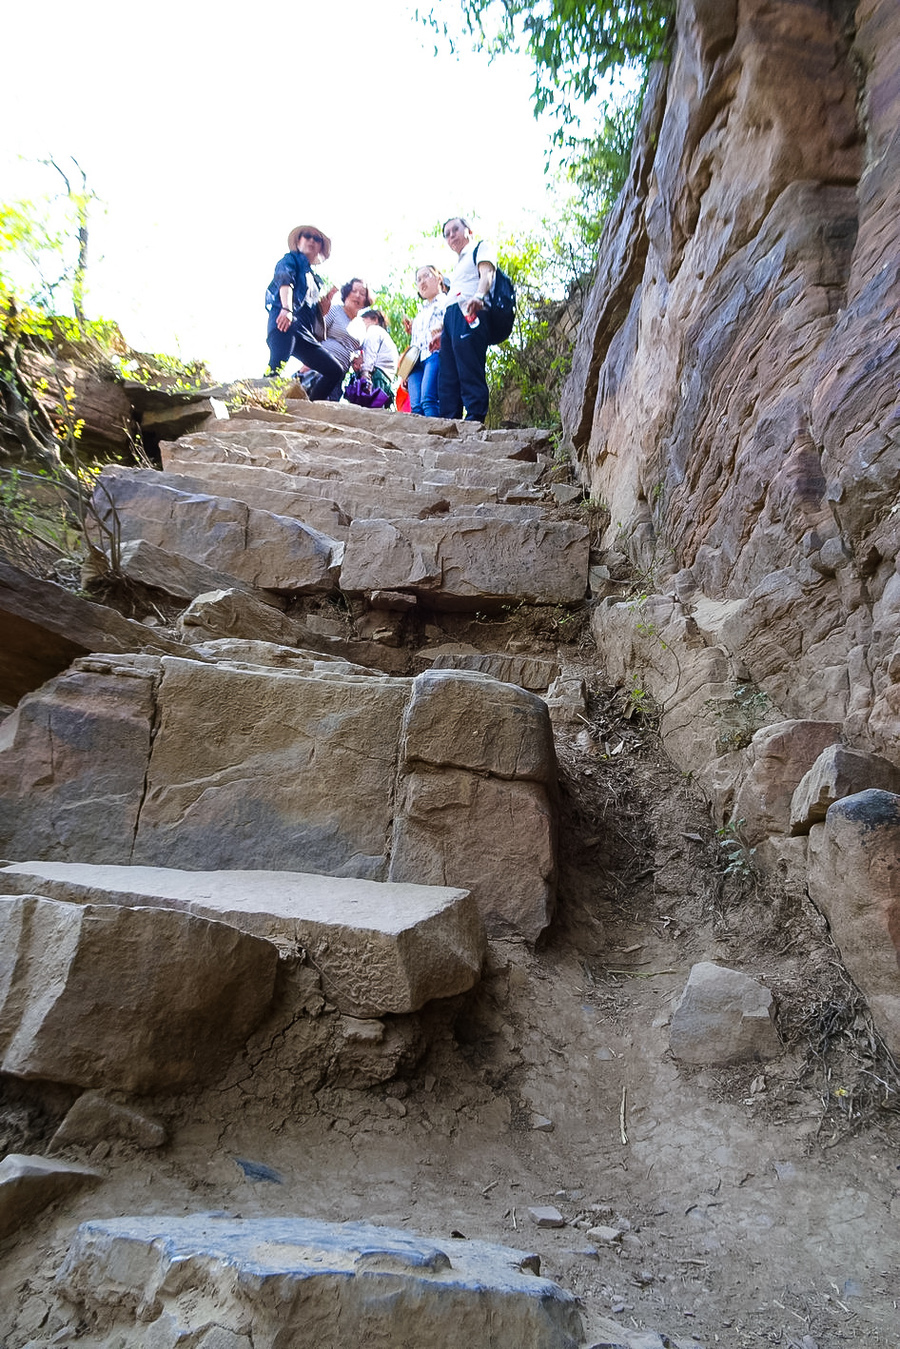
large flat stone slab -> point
(129, 999)
(468, 562)
(301, 1284)
(379, 948)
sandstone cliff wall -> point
(734, 393)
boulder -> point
(29, 1183)
(723, 1016)
(95, 1118)
(855, 881)
(129, 999)
(312, 1285)
(469, 562)
(780, 755)
(230, 612)
(378, 948)
(838, 772)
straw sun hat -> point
(294, 239)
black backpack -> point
(500, 314)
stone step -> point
(379, 948)
(378, 463)
(518, 440)
(315, 499)
(530, 672)
(469, 562)
(307, 1284)
(168, 762)
(267, 551)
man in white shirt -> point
(464, 343)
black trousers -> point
(463, 383)
(297, 342)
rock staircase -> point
(187, 825)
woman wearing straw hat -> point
(297, 309)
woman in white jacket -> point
(379, 352)
(422, 381)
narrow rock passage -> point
(370, 690)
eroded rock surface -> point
(310, 1285)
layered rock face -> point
(734, 401)
(734, 392)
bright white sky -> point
(209, 130)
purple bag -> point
(365, 395)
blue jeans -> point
(422, 386)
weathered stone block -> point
(313, 1285)
(854, 879)
(496, 838)
(29, 1183)
(177, 576)
(724, 1016)
(780, 756)
(134, 999)
(838, 772)
(297, 764)
(72, 762)
(463, 719)
(267, 768)
(265, 550)
(466, 562)
(378, 948)
(234, 613)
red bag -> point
(401, 400)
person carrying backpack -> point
(297, 307)
(466, 338)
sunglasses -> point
(316, 238)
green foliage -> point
(736, 857)
(573, 44)
(43, 245)
(156, 370)
(272, 396)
